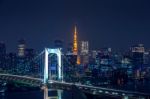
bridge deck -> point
(68, 86)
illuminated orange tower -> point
(75, 45)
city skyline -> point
(74, 49)
(65, 48)
(116, 24)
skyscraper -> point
(21, 57)
(11, 63)
(84, 52)
(21, 48)
(58, 44)
(84, 47)
(2, 49)
(2, 54)
(138, 58)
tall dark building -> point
(70, 48)
(138, 58)
(30, 53)
(21, 62)
(31, 66)
(69, 63)
(11, 63)
(2, 55)
(21, 48)
(84, 52)
(58, 44)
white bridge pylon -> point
(56, 51)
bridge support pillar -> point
(59, 65)
(60, 71)
(59, 93)
(46, 66)
(125, 97)
(45, 92)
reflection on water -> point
(31, 95)
(52, 96)
(43, 93)
(23, 95)
(39, 94)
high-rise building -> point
(138, 58)
(2, 49)
(2, 55)
(138, 48)
(146, 57)
(58, 44)
(84, 47)
(94, 54)
(69, 63)
(84, 52)
(92, 58)
(70, 48)
(137, 55)
(30, 53)
(21, 48)
(11, 63)
(21, 59)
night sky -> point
(104, 23)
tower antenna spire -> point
(75, 45)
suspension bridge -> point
(43, 77)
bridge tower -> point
(56, 51)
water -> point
(39, 94)
(75, 94)
(19, 91)
(22, 95)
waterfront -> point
(19, 91)
(40, 95)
